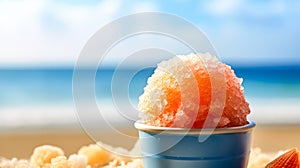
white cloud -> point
(49, 32)
(221, 7)
(144, 6)
(253, 32)
(13, 13)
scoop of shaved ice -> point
(193, 91)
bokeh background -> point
(40, 42)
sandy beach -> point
(270, 138)
(278, 127)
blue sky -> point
(45, 32)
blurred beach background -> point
(40, 42)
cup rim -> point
(140, 125)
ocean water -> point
(40, 92)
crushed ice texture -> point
(174, 78)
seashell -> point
(290, 159)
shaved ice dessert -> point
(194, 91)
(185, 99)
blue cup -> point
(190, 148)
